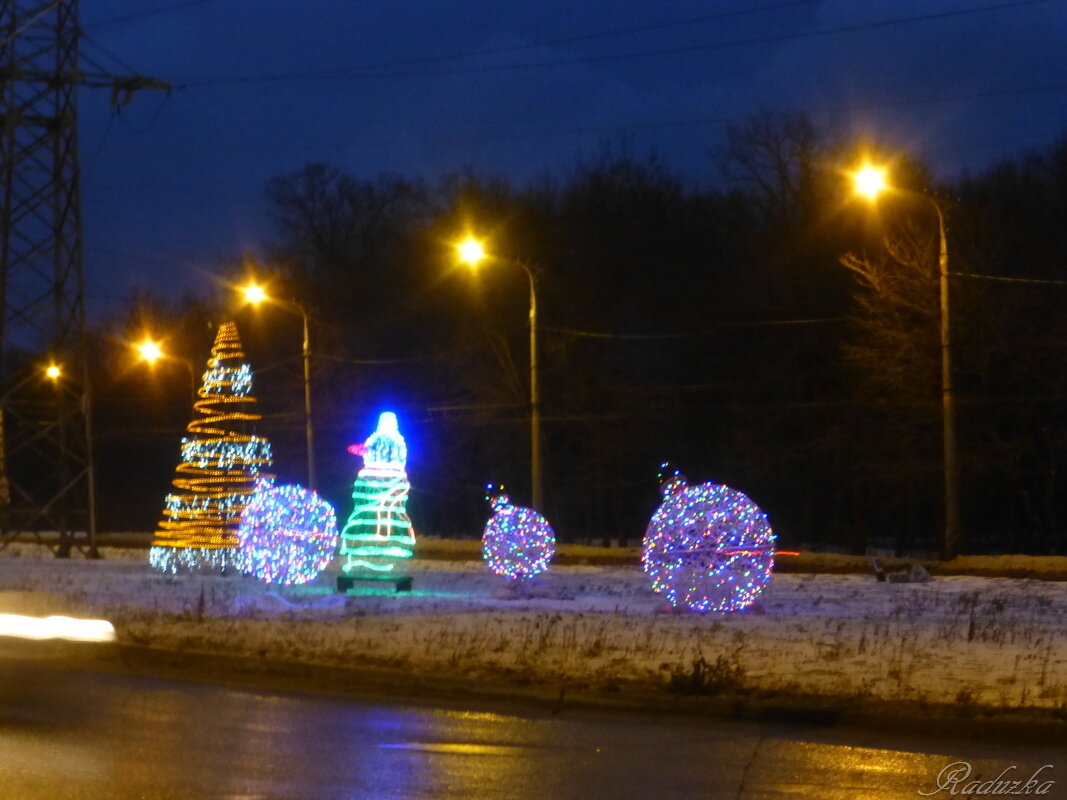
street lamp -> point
(869, 181)
(471, 251)
(150, 351)
(255, 294)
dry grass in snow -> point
(968, 640)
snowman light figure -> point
(378, 538)
(707, 547)
(517, 543)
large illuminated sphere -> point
(517, 543)
(708, 548)
(288, 534)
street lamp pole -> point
(870, 182)
(472, 252)
(254, 293)
(308, 429)
(535, 400)
(951, 543)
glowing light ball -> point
(708, 547)
(517, 543)
(288, 534)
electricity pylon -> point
(46, 465)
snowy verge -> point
(970, 642)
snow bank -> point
(968, 640)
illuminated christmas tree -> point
(378, 537)
(220, 462)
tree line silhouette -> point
(767, 331)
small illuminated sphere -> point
(708, 548)
(288, 534)
(517, 543)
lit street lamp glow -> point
(254, 293)
(149, 351)
(471, 251)
(869, 181)
(53, 371)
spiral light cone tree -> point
(220, 462)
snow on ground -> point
(968, 640)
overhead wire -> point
(379, 72)
(136, 15)
(541, 44)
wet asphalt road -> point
(70, 732)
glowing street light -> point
(870, 181)
(254, 294)
(471, 251)
(150, 351)
(53, 371)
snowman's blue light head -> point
(386, 448)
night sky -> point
(174, 185)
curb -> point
(370, 684)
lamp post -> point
(869, 181)
(472, 252)
(255, 294)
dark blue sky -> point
(520, 87)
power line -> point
(772, 323)
(90, 41)
(1006, 279)
(584, 37)
(727, 119)
(352, 73)
(100, 23)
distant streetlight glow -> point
(869, 181)
(471, 251)
(53, 371)
(254, 293)
(150, 351)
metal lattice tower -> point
(46, 473)
(45, 442)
